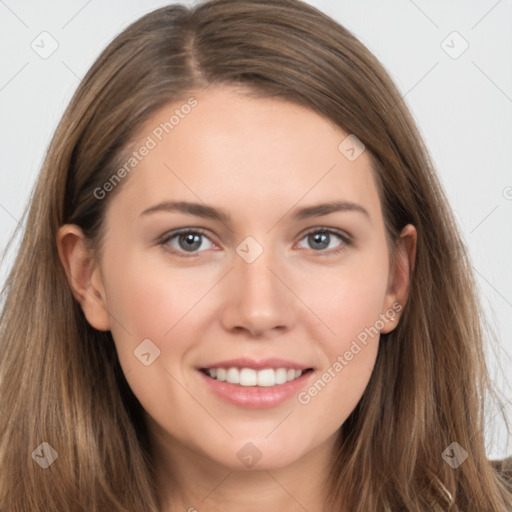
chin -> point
(257, 453)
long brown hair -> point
(60, 380)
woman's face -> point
(266, 282)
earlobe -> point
(83, 275)
(401, 276)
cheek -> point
(149, 295)
(352, 309)
(349, 298)
(340, 386)
(150, 302)
(356, 308)
(349, 358)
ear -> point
(83, 274)
(400, 277)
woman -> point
(188, 342)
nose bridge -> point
(256, 281)
(258, 299)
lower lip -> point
(256, 397)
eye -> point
(321, 238)
(185, 241)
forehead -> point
(229, 149)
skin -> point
(259, 160)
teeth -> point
(281, 375)
(250, 377)
(233, 376)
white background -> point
(463, 107)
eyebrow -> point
(209, 212)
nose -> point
(258, 298)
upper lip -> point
(246, 362)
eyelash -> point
(346, 240)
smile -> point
(265, 377)
(255, 389)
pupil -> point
(322, 239)
(193, 241)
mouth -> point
(252, 388)
(255, 383)
(251, 377)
